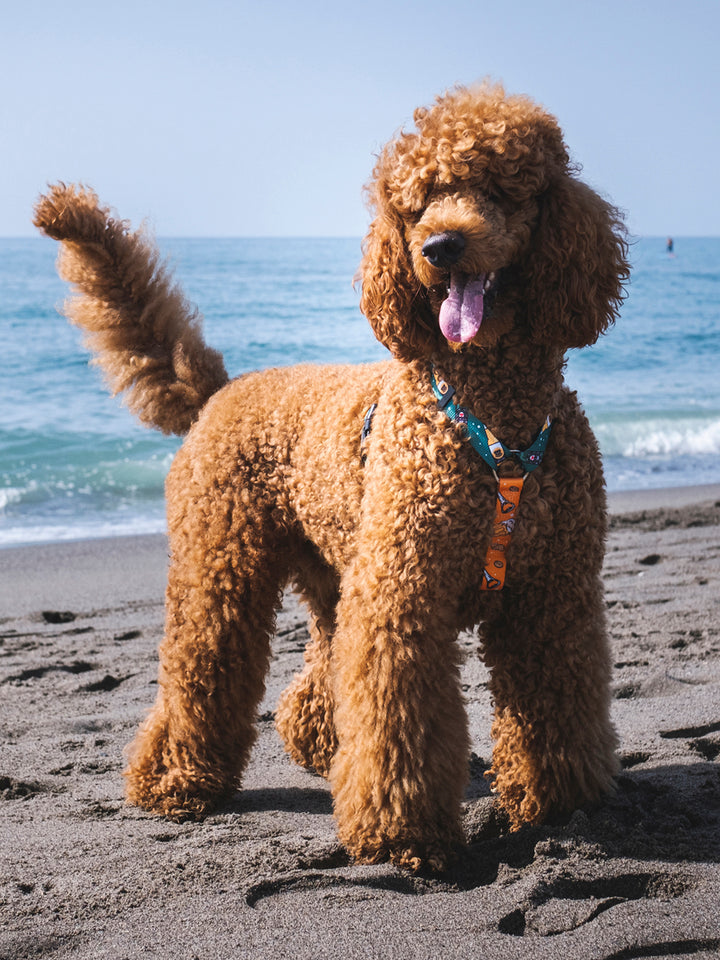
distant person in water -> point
(669, 244)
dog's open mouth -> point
(461, 313)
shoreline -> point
(619, 501)
(625, 501)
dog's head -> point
(480, 226)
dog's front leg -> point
(550, 680)
(401, 766)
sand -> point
(83, 875)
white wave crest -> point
(10, 495)
(656, 437)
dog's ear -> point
(393, 299)
(577, 266)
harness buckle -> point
(446, 393)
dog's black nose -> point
(444, 249)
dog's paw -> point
(415, 857)
(174, 796)
(422, 858)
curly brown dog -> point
(487, 258)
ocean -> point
(74, 463)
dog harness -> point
(494, 452)
(366, 428)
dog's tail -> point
(144, 334)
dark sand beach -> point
(82, 875)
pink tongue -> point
(462, 312)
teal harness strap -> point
(493, 451)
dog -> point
(455, 485)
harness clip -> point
(446, 393)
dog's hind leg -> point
(304, 716)
(224, 588)
(305, 713)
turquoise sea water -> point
(73, 462)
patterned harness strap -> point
(494, 452)
(365, 432)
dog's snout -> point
(444, 249)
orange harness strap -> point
(506, 504)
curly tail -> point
(144, 334)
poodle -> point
(456, 485)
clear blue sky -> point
(239, 118)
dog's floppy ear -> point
(577, 265)
(393, 300)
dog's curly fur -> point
(269, 489)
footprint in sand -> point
(562, 904)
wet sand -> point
(83, 875)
